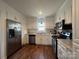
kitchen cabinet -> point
(64, 52)
(76, 49)
(65, 12)
(68, 11)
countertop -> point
(67, 43)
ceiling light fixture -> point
(40, 13)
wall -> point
(8, 12)
(65, 12)
(32, 22)
(76, 19)
(0, 37)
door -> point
(32, 39)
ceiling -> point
(33, 8)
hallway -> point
(34, 52)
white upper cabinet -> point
(65, 12)
(68, 11)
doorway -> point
(32, 39)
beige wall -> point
(10, 13)
(65, 12)
(32, 22)
(0, 39)
(75, 18)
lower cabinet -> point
(61, 53)
(64, 52)
(76, 49)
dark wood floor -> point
(34, 52)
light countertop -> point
(67, 43)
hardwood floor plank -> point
(34, 52)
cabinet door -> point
(61, 53)
(69, 54)
(76, 49)
(68, 11)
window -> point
(41, 24)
